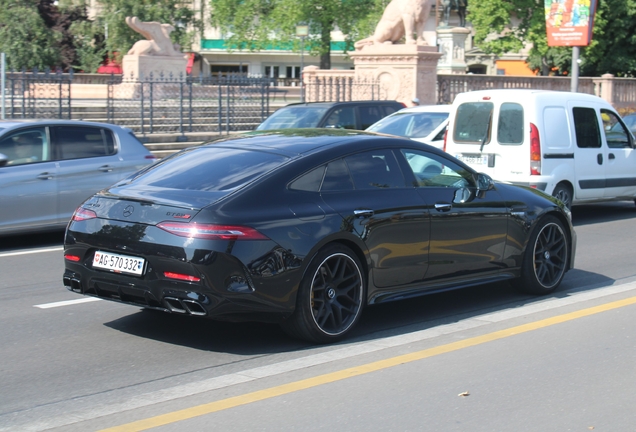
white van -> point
(572, 146)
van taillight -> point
(445, 136)
(535, 151)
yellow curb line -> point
(260, 395)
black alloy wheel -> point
(330, 297)
(563, 193)
(546, 257)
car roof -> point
(295, 142)
(427, 108)
(523, 95)
(16, 123)
(344, 103)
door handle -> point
(443, 207)
(611, 156)
(106, 168)
(363, 213)
(599, 158)
(45, 176)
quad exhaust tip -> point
(73, 284)
(189, 307)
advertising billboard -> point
(569, 22)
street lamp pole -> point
(302, 31)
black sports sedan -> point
(306, 227)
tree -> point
(613, 47)
(120, 38)
(24, 36)
(506, 25)
(258, 24)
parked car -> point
(630, 122)
(573, 146)
(307, 227)
(426, 124)
(49, 167)
(340, 115)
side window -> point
(616, 134)
(309, 181)
(369, 114)
(342, 118)
(75, 142)
(510, 125)
(472, 122)
(390, 109)
(337, 177)
(375, 169)
(433, 171)
(26, 146)
(586, 128)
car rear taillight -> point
(180, 276)
(535, 151)
(445, 136)
(211, 231)
(82, 214)
(73, 258)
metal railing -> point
(178, 105)
(152, 104)
(38, 94)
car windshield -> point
(410, 124)
(293, 117)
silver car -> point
(49, 167)
(426, 124)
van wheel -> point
(563, 193)
(546, 257)
(330, 297)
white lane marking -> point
(53, 249)
(93, 406)
(66, 303)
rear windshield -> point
(210, 169)
(294, 117)
(472, 122)
(510, 124)
(410, 124)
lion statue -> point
(158, 41)
(401, 18)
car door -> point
(368, 190)
(88, 162)
(621, 157)
(590, 157)
(469, 228)
(28, 190)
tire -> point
(546, 257)
(563, 192)
(330, 297)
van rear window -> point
(472, 122)
(510, 124)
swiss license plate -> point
(473, 159)
(118, 263)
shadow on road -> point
(378, 321)
(603, 212)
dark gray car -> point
(339, 115)
(49, 167)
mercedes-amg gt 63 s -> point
(306, 227)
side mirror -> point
(3, 160)
(484, 182)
